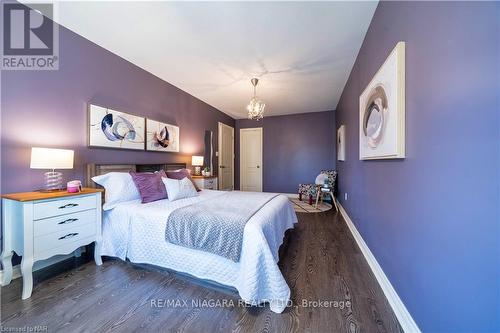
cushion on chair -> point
(307, 189)
(332, 176)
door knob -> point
(258, 166)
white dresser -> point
(206, 182)
(40, 225)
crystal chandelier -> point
(256, 107)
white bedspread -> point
(137, 231)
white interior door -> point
(226, 157)
(251, 159)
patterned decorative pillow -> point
(179, 189)
(182, 173)
(150, 185)
(119, 187)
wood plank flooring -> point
(321, 262)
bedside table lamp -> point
(49, 158)
(197, 162)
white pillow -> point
(119, 187)
(179, 189)
(321, 179)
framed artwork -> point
(382, 110)
(114, 129)
(161, 136)
(341, 143)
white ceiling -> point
(302, 52)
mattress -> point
(136, 232)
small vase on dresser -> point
(206, 182)
(39, 225)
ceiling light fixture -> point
(256, 107)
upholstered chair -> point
(327, 186)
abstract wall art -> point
(341, 143)
(161, 137)
(382, 110)
(114, 129)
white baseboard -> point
(405, 319)
(16, 270)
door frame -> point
(261, 130)
(219, 150)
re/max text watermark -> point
(230, 303)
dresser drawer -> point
(63, 222)
(42, 210)
(64, 237)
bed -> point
(136, 232)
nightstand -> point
(205, 182)
(40, 225)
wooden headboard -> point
(101, 169)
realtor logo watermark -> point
(30, 38)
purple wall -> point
(296, 148)
(432, 219)
(48, 109)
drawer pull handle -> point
(68, 205)
(68, 221)
(68, 236)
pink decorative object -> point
(74, 186)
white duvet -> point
(137, 231)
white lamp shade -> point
(197, 160)
(50, 158)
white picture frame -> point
(341, 143)
(109, 128)
(162, 137)
(382, 110)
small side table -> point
(205, 182)
(320, 191)
(39, 225)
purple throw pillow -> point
(149, 185)
(180, 174)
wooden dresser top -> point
(37, 195)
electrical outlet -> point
(345, 196)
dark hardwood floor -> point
(321, 262)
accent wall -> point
(49, 109)
(295, 149)
(432, 219)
